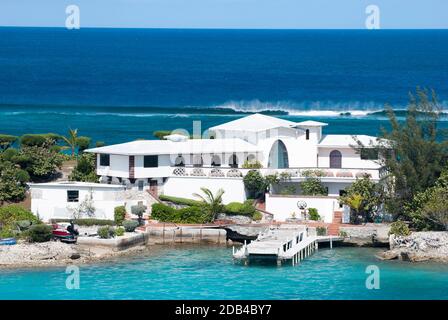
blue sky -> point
(290, 14)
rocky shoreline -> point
(418, 247)
(57, 254)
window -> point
(335, 159)
(72, 195)
(140, 185)
(150, 161)
(233, 161)
(307, 134)
(369, 154)
(104, 160)
(278, 156)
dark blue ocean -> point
(122, 84)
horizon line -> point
(223, 28)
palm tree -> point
(71, 140)
(356, 203)
(212, 203)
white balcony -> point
(294, 174)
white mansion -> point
(178, 166)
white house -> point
(179, 166)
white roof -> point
(154, 147)
(74, 184)
(255, 122)
(311, 123)
(346, 140)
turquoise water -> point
(197, 272)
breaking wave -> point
(311, 109)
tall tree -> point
(12, 182)
(413, 152)
(6, 141)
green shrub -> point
(119, 231)
(162, 212)
(40, 233)
(119, 215)
(180, 201)
(39, 139)
(343, 234)
(7, 232)
(87, 222)
(83, 143)
(106, 232)
(193, 214)
(399, 228)
(313, 214)
(238, 208)
(321, 231)
(10, 215)
(254, 183)
(130, 225)
(252, 164)
(257, 216)
(24, 225)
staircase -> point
(333, 228)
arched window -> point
(278, 156)
(233, 161)
(180, 161)
(216, 161)
(198, 161)
(335, 159)
(307, 134)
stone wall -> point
(365, 235)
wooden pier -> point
(283, 245)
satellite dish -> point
(301, 204)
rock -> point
(75, 256)
(237, 219)
(388, 255)
(44, 256)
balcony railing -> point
(289, 173)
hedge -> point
(238, 208)
(88, 222)
(181, 201)
(193, 214)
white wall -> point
(184, 187)
(119, 166)
(350, 159)
(50, 202)
(301, 152)
(163, 170)
(283, 206)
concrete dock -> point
(290, 244)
